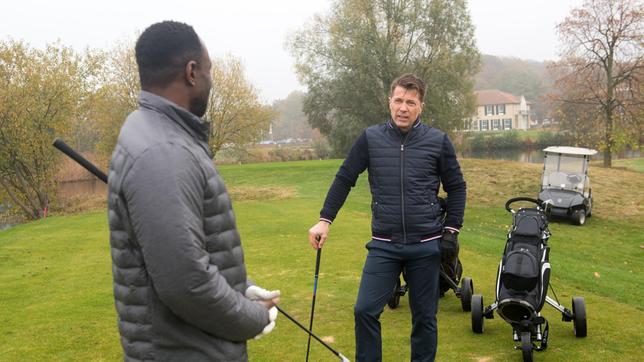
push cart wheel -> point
(394, 300)
(579, 316)
(477, 313)
(467, 288)
(579, 217)
(526, 346)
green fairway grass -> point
(635, 164)
(56, 299)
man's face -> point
(199, 101)
(405, 107)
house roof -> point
(495, 96)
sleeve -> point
(356, 162)
(164, 192)
(454, 185)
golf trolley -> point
(450, 276)
(523, 280)
(565, 182)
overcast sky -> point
(256, 30)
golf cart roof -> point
(570, 150)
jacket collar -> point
(392, 125)
(195, 126)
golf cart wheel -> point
(579, 317)
(477, 313)
(526, 346)
(579, 217)
(467, 288)
(394, 300)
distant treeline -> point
(483, 141)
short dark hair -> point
(409, 81)
(163, 49)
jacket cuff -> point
(326, 219)
(452, 229)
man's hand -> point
(272, 316)
(318, 234)
(449, 245)
(256, 293)
(269, 300)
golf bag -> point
(524, 271)
(522, 283)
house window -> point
(484, 125)
(489, 110)
(496, 123)
(500, 109)
(507, 123)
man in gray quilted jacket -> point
(180, 284)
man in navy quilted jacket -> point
(180, 285)
(407, 162)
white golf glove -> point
(272, 316)
(256, 293)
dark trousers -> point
(382, 268)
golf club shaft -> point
(63, 147)
(315, 288)
(310, 333)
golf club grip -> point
(64, 148)
(317, 268)
(307, 331)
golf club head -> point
(343, 358)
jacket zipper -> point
(402, 185)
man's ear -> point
(190, 73)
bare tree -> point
(236, 114)
(602, 66)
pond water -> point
(5, 222)
(533, 156)
(71, 189)
(67, 190)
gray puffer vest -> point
(177, 260)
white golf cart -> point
(565, 184)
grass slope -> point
(56, 299)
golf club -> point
(63, 147)
(315, 288)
